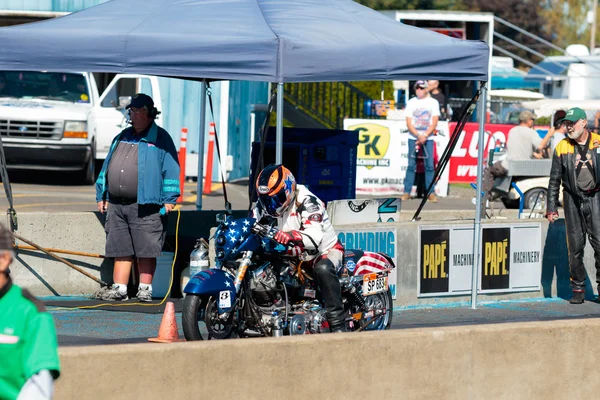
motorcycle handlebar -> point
(264, 231)
(268, 232)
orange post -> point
(182, 154)
(168, 332)
(209, 159)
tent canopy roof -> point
(259, 40)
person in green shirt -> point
(29, 362)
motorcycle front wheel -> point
(201, 321)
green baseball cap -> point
(575, 114)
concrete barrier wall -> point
(85, 232)
(44, 276)
(536, 360)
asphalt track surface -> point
(41, 191)
(95, 327)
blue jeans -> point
(409, 178)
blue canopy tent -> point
(261, 40)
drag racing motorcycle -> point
(255, 290)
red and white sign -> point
(463, 162)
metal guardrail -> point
(329, 103)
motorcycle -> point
(255, 290)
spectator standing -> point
(575, 163)
(29, 361)
(524, 143)
(137, 187)
(422, 114)
(433, 87)
(558, 131)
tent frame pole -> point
(279, 129)
(201, 134)
(477, 231)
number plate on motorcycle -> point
(373, 284)
(225, 299)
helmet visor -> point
(274, 205)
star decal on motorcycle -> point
(227, 284)
(233, 239)
(246, 222)
(245, 229)
(233, 223)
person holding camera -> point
(575, 163)
(136, 188)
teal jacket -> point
(158, 168)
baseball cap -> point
(6, 238)
(559, 115)
(575, 114)
(526, 116)
(141, 100)
(420, 84)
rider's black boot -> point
(329, 284)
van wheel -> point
(88, 173)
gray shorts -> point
(134, 230)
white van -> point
(58, 121)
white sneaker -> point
(110, 293)
(144, 295)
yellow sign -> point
(495, 258)
(373, 144)
(434, 261)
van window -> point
(126, 87)
(59, 86)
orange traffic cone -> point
(168, 332)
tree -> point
(527, 15)
(566, 22)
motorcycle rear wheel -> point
(379, 301)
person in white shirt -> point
(305, 228)
(422, 115)
(524, 143)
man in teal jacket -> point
(137, 187)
